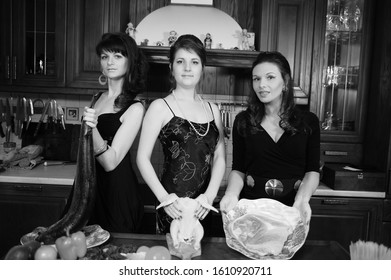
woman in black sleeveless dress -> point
(116, 119)
(191, 134)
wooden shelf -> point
(215, 57)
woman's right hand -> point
(172, 208)
(90, 117)
(228, 202)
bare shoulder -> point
(214, 107)
(157, 104)
(158, 112)
(135, 110)
(160, 107)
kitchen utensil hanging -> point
(54, 118)
(2, 118)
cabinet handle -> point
(14, 68)
(28, 188)
(8, 70)
(335, 202)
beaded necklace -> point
(191, 124)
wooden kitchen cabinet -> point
(340, 77)
(23, 207)
(32, 42)
(87, 21)
(328, 44)
(345, 220)
(287, 26)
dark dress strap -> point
(211, 110)
(169, 107)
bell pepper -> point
(72, 246)
(79, 241)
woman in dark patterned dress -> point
(191, 134)
(116, 119)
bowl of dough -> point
(264, 229)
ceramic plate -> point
(95, 235)
(293, 243)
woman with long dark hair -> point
(276, 146)
(116, 119)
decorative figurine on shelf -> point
(172, 38)
(328, 123)
(208, 41)
(144, 43)
(131, 30)
(159, 43)
(245, 42)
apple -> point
(46, 252)
(18, 252)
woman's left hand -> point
(202, 211)
(305, 211)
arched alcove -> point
(185, 19)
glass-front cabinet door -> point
(34, 41)
(343, 39)
(342, 74)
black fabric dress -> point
(118, 206)
(187, 160)
(287, 160)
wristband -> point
(102, 152)
(102, 148)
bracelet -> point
(102, 152)
(102, 148)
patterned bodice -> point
(187, 156)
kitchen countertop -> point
(65, 174)
(41, 174)
(216, 248)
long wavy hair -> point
(136, 74)
(291, 119)
(188, 42)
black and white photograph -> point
(194, 137)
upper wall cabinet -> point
(287, 26)
(87, 21)
(32, 44)
(341, 68)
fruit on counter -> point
(46, 252)
(83, 192)
(18, 252)
(150, 253)
(142, 249)
(23, 252)
(158, 253)
(72, 247)
(80, 242)
(139, 254)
